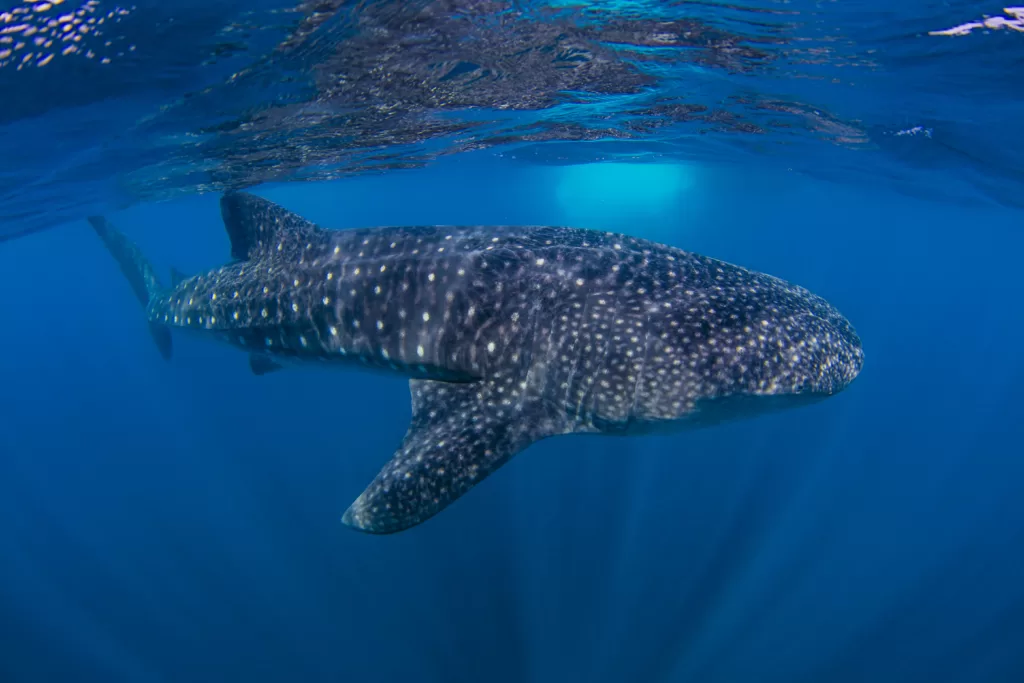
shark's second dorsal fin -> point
(177, 277)
(257, 226)
(459, 434)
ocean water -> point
(180, 521)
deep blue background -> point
(180, 522)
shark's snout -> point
(839, 355)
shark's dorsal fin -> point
(257, 226)
(459, 434)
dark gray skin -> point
(510, 335)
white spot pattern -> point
(612, 332)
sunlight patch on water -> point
(624, 197)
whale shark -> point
(508, 334)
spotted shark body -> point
(509, 335)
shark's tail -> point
(139, 272)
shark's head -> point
(798, 349)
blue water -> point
(181, 521)
(110, 105)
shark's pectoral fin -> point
(261, 365)
(459, 434)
